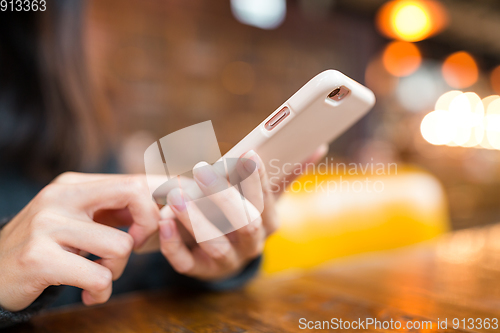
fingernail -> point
(251, 163)
(204, 173)
(166, 229)
(90, 299)
(175, 198)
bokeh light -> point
(419, 91)
(264, 14)
(462, 247)
(495, 80)
(467, 114)
(401, 58)
(477, 120)
(460, 70)
(411, 20)
(485, 143)
(493, 123)
(463, 119)
(444, 101)
(435, 127)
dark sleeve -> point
(8, 318)
(231, 283)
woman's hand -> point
(41, 246)
(228, 254)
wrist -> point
(8, 318)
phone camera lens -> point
(339, 93)
(334, 93)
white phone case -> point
(313, 119)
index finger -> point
(130, 192)
(74, 270)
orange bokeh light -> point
(460, 70)
(401, 58)
(495, 80)
(411, 21)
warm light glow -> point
(444, 101)
(460, 111)
(463, 119)
(493, 123)
(436, 129)
(495, 80)
(411, 20)
(401, 58)
(468, 110)
(460, 70)
(477, 119)
(485, 143)
(462, 247)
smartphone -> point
(317, 113)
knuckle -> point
(138, 183)
(50, 192)
(248, 231)
(221, 253)
(252, 228)
(102, 281)
(65, 177)
(124, 245)
(32, 255)
(184, 268)
(42, 219)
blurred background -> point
(433, 65)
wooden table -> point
(457, 276)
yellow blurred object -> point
(411, 21)
(322, 225)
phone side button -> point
(277, 118)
